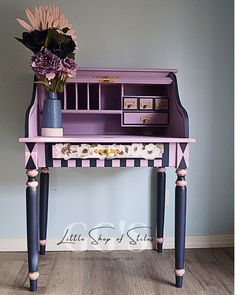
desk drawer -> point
(145, 118)
(66, 151)
(130, 103)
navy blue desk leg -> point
(43, 215)
(180, 225)
(161, 188)
(32, 227)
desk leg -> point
(180, 225)
(43, 215)
(32, 227)
(161, 187)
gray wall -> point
(194, 36)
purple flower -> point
(45, 64)
(68, 66)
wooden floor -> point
(208, 271)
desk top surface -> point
(106, 138)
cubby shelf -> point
(91, 112)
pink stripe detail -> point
(115, 163)
(179, 155)
(129, 163)
(71, 163)
(186, 155)
(172, 154)
(41, 154)
(100, 163)
(27, 155)
(56, 163)
(85, 163)
(157, 163)
(54, 151)
(143, 163)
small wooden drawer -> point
(66, 151)
(146, 104)
(145, 118)
(161, 104)
(130, 103)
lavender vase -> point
(52, 117)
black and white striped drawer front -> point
(88, 163)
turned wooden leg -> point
(161, 187)
(43, 215)
(180, 225)
(32, 227)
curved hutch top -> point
(116, 102)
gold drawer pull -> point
(106, 81)
(145, 120)
(129, 105)
(107, 151)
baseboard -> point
(211, 241)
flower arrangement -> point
(52, 40)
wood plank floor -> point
(208, 271)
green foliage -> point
(55, 85)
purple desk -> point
(111, 118)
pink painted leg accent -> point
(42, 242)
(160, 240)
(179, 272)
(33, 275)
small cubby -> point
(94, 96)
(82, 96)
(70, 96)
(145, 90)
(110, 96)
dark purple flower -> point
(45, 64)
(34, 40)
(68, 66)
(60, 44)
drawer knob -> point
(145, 120)
(130, 105)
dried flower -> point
(45, 64)
(68, 66)
(47, 17)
